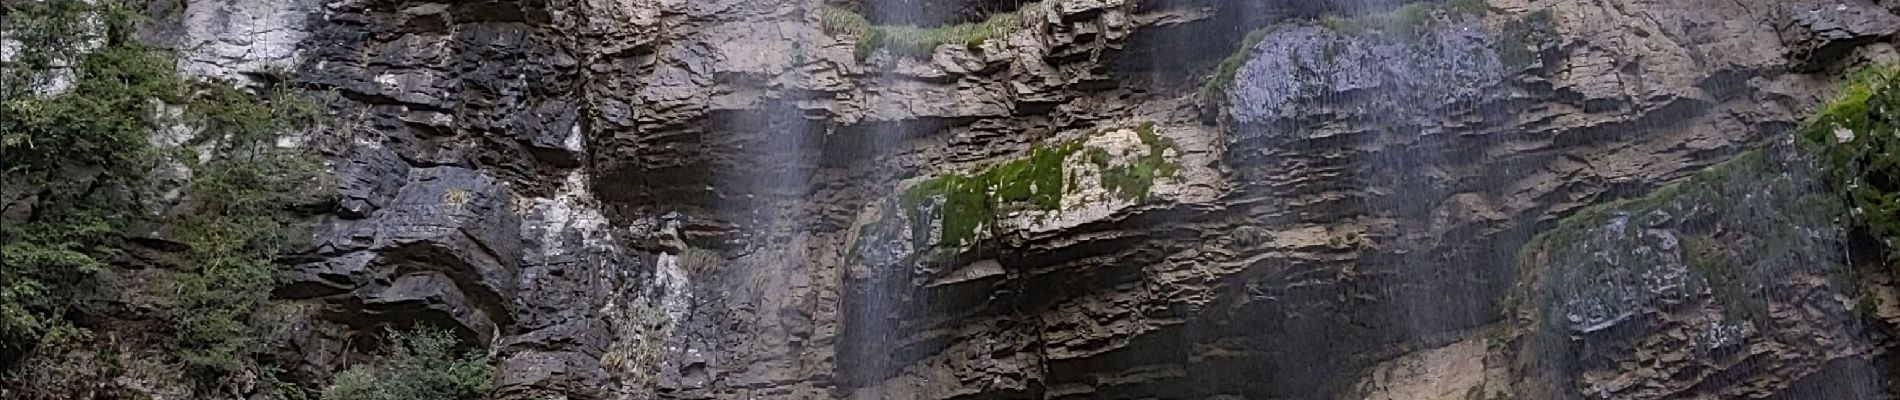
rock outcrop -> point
(725, 199)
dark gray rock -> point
(428, 298)
(1303, 71)
(367, 178)
(1821, 32)
(536, 374)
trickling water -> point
(1400, 148)
(879, 280)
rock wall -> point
(708, 199)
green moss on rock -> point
(1735, 228)
(1223, 78)
(1517, 37)
(1856, 135)
(971, 201)
(1133, 182)
(962, 204)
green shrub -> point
(1855, 136)
(418, 365)
(916, 41)
(239, 184)
(70, 152)
(232, 235)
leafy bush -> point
(82, 154)
(1855, 135)
(66, 154)
(419, 365)
(232, 227)
(918, 41)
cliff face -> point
(730, 199)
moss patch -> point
(1133, 182)
(962, 204)
(1736, 227)
(1856, 135)
(969, 202)
(914, 41)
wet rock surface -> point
(1680, 294)
(673, 199)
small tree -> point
(418, 365)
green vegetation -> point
(81, 156)
(1133, 182)
(1039, 181)
(973, 200)
(1854, 135)
(419, 365)
(916, 41)
(642, 330)
(700, 262)
(1407, 23)
(232, 225)
(1710, 260)
(51, 146)
(1732, 247)
(1223, 78)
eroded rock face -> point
(707, 199)
(1681, 294)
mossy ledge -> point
(1732, 248)
(963, 204)
(914, 41)
(1856, 136)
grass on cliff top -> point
(914, 41)
(1856, 135)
